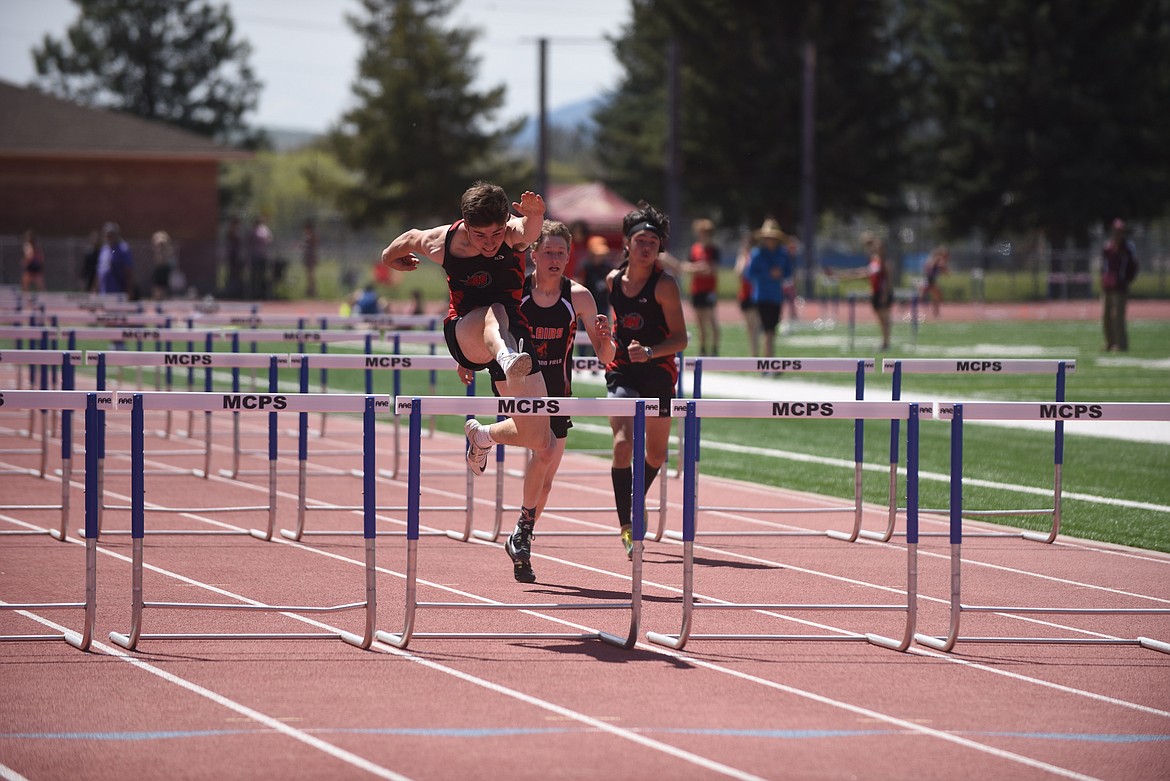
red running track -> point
(546, 708)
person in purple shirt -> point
(115, 269)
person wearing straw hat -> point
(769, 268)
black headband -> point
(645, 225)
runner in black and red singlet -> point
(552, 304)
(649, 328)
(482, 256)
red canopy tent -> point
(592, 202)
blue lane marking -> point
(497, 732)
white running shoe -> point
(517, 365)
(476, 456)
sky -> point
(306, 55)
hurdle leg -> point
(83, 640)
(1050, 536)
(129, 641)
(66, 477)
(413, 500)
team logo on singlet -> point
(633, 321)
(541, 349)
(479, 279)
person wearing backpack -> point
(1119, 266)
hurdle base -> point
(1045, 537)
(117, 638)
(836, 535)
(620, 642)
(389, 638)
(228, 474)
(1154, 645)
(670, 641)
(937, 643)
(76, 640)
(887, 642)
(485, 536)
(58, 535)
(260, 535)
(358, 641)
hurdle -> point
(37, 338)
(1059, 368)
(69, 401)
(66, 360)
(864, 410)
(455, 405)
(1021, 410)
(858, 367)
(139, 402)
(369, 363)
(204, 360)
(232, 401)
(580, 364)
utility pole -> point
(542, 128)
(808, 213)
(673, 131)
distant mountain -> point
(567, 117)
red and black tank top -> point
(639, 317)
(482, 281)
(554, 329)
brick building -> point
(65, 169)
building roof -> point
(33, 124)
(592, 202)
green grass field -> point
(1115, 490)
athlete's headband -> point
(646, 226)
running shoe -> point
(516, 365)
(518, 546)
(628, 541)
(477, 456)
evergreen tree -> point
(177, 61)
(741, 77)
(417, 137)
(1044, 116)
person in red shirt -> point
(701, 265)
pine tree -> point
(178, 61)
(417, 137)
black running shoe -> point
(518, 546)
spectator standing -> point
(578, 249)
(367, 302)
(936, 265)
(89, 262)
(751, 315)
(32, 276)
(259, 242)
(164, 265)
(1119, 266)
(597, 268)
(881, 282)
(115, 269)
(649, 329)
(702, 263)
(309, 254)
(769, 268)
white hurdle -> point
(858, 367)
(69, 402)
(43, 360)
(1044, 411)
(370, 363)
(857, 410)
(1058, 368)
(138, 403)
(416, 406)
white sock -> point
(483, 437)
(503, 353)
